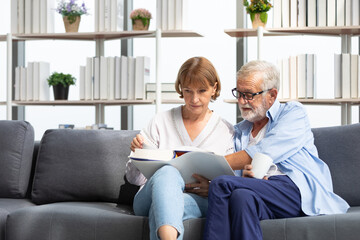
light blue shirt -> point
(289, 141)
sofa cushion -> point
(339, 148)
(16, 148)
(81, 165)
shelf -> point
(313, 101)
(82, 102)
(2, 103)
(90, 36)
(2, 38)
(319, 31)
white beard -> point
(256, 114)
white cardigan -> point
(167, 131)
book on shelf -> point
(117, 77)
(35, 16)
(301, 76)
(310, 75)
(29, 80)
(142, 76)
(206, 164)
(96, 76)
(82, 82)
(354, 75)
(345, 75)
(277, 13)
(355, 12)
(321, 13)
(111, 78)
(124, 77)
(166, 87)
(47, 16)
(28, 16)
(131, 78)
(311, 13)
(293, 13)
(348, 12)
(17, 84)
(88, 80)
(164, 14)
(337, 76)
(179, 14)
(171, 14)
(301, 13)
(285, 13)
(23, 84)
(14, 16)
(331, 13)
(103, 78)
(340, 12)
(44, 73)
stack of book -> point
(346, 75)
(31, 82)
(109, 78)
(168, 91)
(298, 77)
(171, 14)
(109, 15)
(32, 16)
(312, 13)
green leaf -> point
(263, 17)
(252, 16)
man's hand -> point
(137, 142)
(200, 188)
(248, 173)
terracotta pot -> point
(71, 23)
(258, 20)
(138, 24)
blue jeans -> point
(163, 200)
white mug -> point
(261, 164)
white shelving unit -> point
(345, 33)
(99, 38)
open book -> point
(206, 164)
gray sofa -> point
(71, 185)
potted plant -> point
(71, 13)
(258, 11)
(60, 83)
(140, 19)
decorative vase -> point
(258, 19)
(141, 24)
(60, 92)
(71, 23)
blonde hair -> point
(198, 71)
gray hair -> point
(270, 73)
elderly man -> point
(301, 185)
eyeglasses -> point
(246, 95)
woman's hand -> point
(200, 188)
(137, 142)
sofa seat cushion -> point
(325, 227)
(8, 205)
(16, 148)
(81, 165)
(75, 221)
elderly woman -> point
(162, 197)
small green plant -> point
(142, 14)
(60, 78)
(258, 6)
